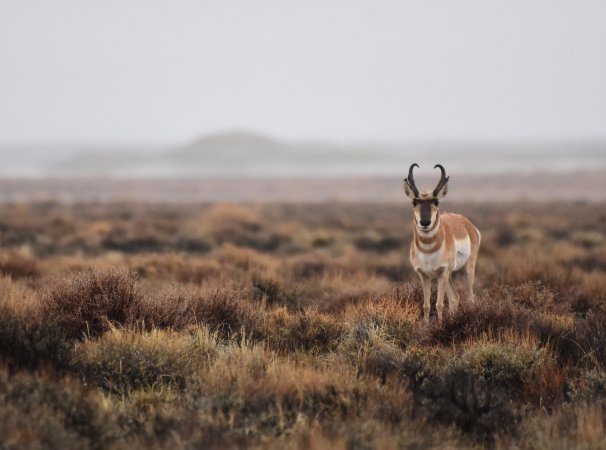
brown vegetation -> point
(296, 326)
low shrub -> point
(193, 245)
(89, 302)
(227, 310)
(379, 244)
(40, 412)
(30, 344)
(456, 395)
(515, 366)
(486, 315)
(469, 401)
(590, 337)
(395, 315)
(16, 265)
(269, 287)
(306, 330)
(139, 244)
(122, 361)
(381, 359)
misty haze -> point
(247, 154)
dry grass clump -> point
(338, 290)
(590, 336)
(25, 341)
(377, 243)
(588, 239)
(307, 267)
(242, 227)
(504, 363)
(531, 294)
(368, 349)
(177, 267)
(308, 331)
(528, 371)
(227, 310)
(133, 244)
(31, 344)
(395, 315)
(471, 320)
(590, 386)
(447, 392)
(89, 302)
(121, 361)
(18, 265)
(40, 412)
(377, 332)
(475, 405)
(242, 259)
(268, 286)
(580, 427)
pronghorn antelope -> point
(442, 244)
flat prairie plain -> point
(296, 325)
(498, 187)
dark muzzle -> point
(425, 214)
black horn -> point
(443, 180)
(411, 180)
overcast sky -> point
(167, 71)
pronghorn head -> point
(426, 203)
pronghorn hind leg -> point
(426, 281)
(470, 268)
(453, 297)
(442, 286)
(470, 271)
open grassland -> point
(296, 326)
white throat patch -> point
(430, 233)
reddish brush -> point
(87, 303)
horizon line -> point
(420, 141)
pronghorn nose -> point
(425, 222)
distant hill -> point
(229, 145)
(243, 153)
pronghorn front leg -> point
(442, 284)
(426, 281)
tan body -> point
(452, 244)
(442, 244)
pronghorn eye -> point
(414, 203)
(436, 202)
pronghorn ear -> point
(407, 189)
(442, 192)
